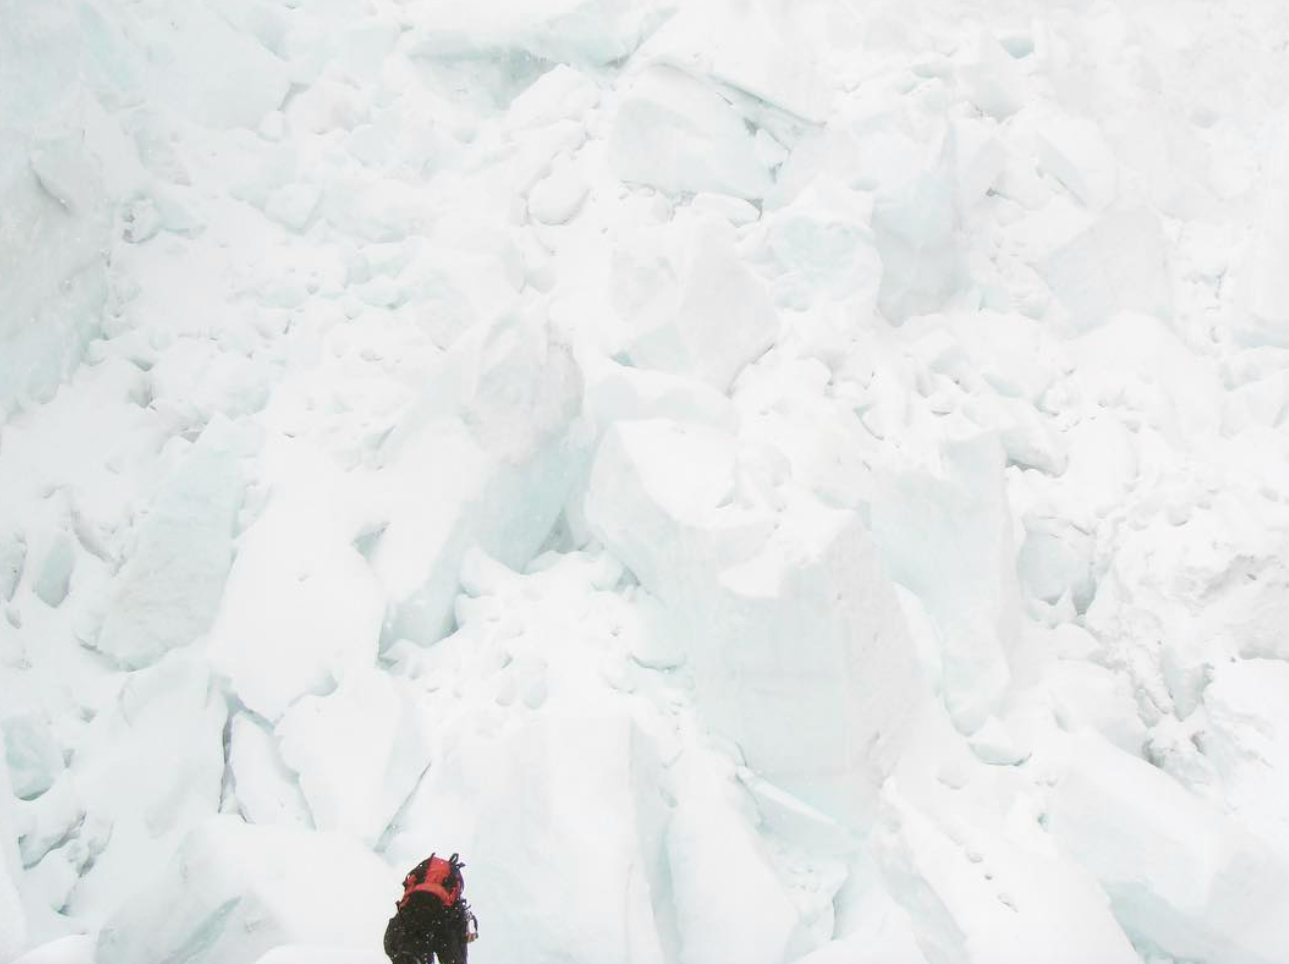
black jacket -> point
(424, 926)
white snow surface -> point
(766, 481)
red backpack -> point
(436, 876)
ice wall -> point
(764, 481)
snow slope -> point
(778, 482)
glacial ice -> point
(689, 306)
(253, 889)
(292, 625)
(168, 592)
(717, 546)
(678, 135)
(798, 483)
(1182, 877)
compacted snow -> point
(767, 481)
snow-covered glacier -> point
(767, 481)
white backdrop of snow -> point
(780, 482)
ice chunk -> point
(1074, 151)
(1267, 320)
(233, 891)
(1119, 262)
(562, 93)
(168, 591)
(994, 81)
(1004, 352)
(31, 753)
(327, 106)
(147, 767)
(76, 949)
(1248, 740)
(293, 205)
(1180, 876)
(1055, 559)
(915, 226)
(13, 919)
(189, 69)
(13, 558)
(1137, 360)
(978, 158)
(376, 209)
(620, 393)
(501, 409)
(1029, 439)
(990, 899)
(555, 199)
(358, 751)
(739, 579)
(566, 809)
(690, 306)
(756, 50)
(946, 536)
(1085, 695)
(677, 134)
(301, 606)
(50, 821)
(1103, 462)
(53, 578)
(591, 32)
(719, 871)
(267, 792)
(194, 376)
(52, 191)
(822, 243)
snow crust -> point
(786, 483)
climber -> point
(432, 917)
